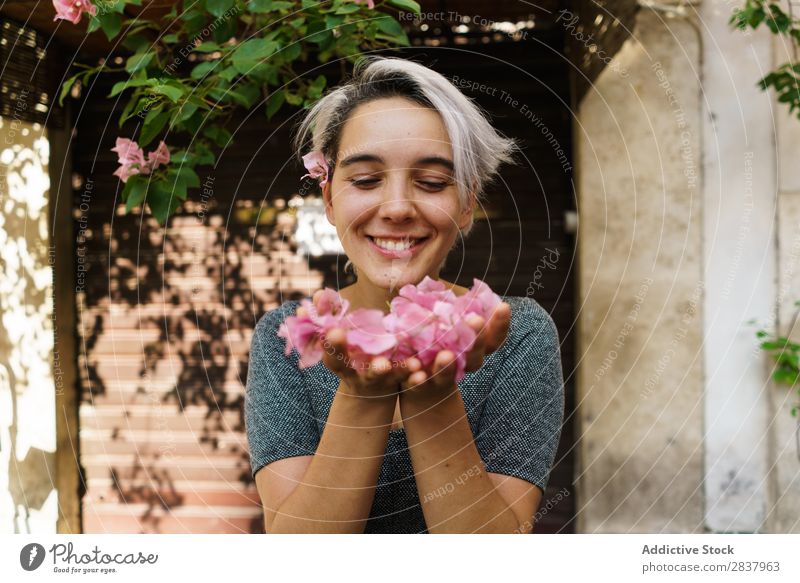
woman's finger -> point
(499, 324)
(476, 354)
(444, 369)
(336, 352)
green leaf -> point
(204, 155)
(250, 53)
(260, 6)
(218, 7)
(162, 201)
(293, 98)
(186, 111)
(318, 33)
(317, 86)
(408, 5)
(207, 47)
(111, 23)
(348, 8)
(122, 85)
(67, 86)
(392, 28)
(134, 192)
(292, 52)
(228, 73)
(183, 179)
(94, 24)
(153, 124)
(138, 61)
(201, 70)
(173, 93)
(219, 135)
(274, 102)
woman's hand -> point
(378, 378)
(490, 337)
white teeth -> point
(392, 245)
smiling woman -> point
(403, 158)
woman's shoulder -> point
(267, 326)
(528, 317)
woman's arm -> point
(336, 492)
(456, 492)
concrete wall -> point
(689, 240)
(640, 286)
(28, 500)
(739, 263)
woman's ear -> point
(326, 199)
(466, 214)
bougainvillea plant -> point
(187, 70)
(786, 355)
(785, 80)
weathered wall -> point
(784, 491)
(640, 382)
(739, 264)
(28, 500)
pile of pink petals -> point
(423, 320)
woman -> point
(402, 157)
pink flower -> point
(423, 321)
(131, 158)
(72, 9)
(370, 3)
(317, 167)
(158, 156)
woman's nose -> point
(397, 203)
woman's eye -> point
(364, 182)
(434, 185)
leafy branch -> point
(786, 78)
(190, 70)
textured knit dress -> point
(514, 403)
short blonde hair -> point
(478, 148)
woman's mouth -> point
(395, 248)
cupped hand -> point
(489, 337)
(379, 377)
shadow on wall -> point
(167, 317)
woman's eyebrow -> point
(375, 158)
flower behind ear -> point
(317, 167)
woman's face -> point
(393, 198)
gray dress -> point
(514, 404)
